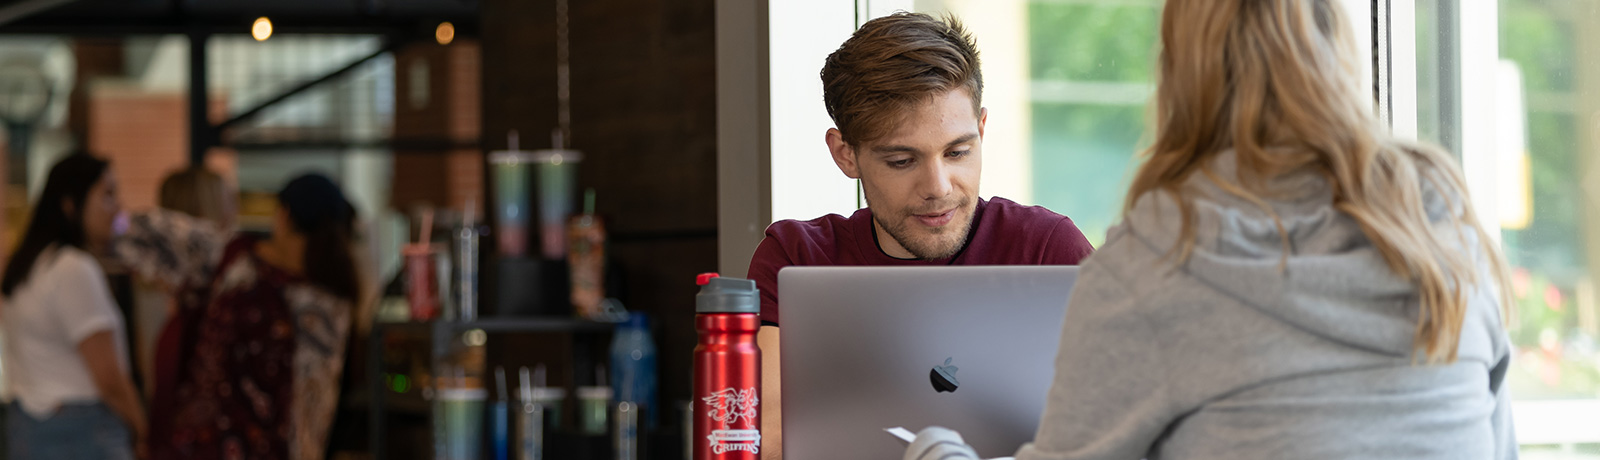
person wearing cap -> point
(249, 364)
(905, 94)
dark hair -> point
(318, 210)
(70, 180)
(892, 63)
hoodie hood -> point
(1332, 283)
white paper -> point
(908, 437)
(902, 433)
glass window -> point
(1067, 85)
(1068, 117)
(1508, 85)
(1092, 77)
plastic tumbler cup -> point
(513, 200)
(557, 191)
(462, 410)
(594, 404)
(423, 280)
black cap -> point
(314, 200)
(728, 295)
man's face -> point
(921, 180)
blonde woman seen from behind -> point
(200, 193)
(1288, 281)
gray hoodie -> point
(1231, 357)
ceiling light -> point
(445, 33)
(261, 29)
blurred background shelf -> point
(403, 356)
(498, 325)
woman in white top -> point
(65, 358)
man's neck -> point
(890, 246)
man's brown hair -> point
(893, 63)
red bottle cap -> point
(705, 278)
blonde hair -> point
(197, 192)
(1278, 82)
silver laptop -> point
(868, 348)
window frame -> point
(1467, 34)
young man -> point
(905, 93)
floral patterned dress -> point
(249, 365)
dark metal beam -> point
(27, 8)
(424, 146)
(388, 46)
(418, 28)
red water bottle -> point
(727, 370)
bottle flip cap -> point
(727, 295)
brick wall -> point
(439, 175)
(464, 89)
(644, 115)
(94, 58)
(146, 136)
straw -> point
(500, 382)
(527, 385)
(427, 228)
(588, 201)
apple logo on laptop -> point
(944, 377)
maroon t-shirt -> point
(1004, 233)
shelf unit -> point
(440, 333)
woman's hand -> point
(939, 443)
(116, 389)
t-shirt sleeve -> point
(764, 266)
(170, 247)
(80, 297)
(1066, 245)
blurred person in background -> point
(64, 351)
(198, 193)
(1289, 280)
(249, 367)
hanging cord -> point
(563, 130)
